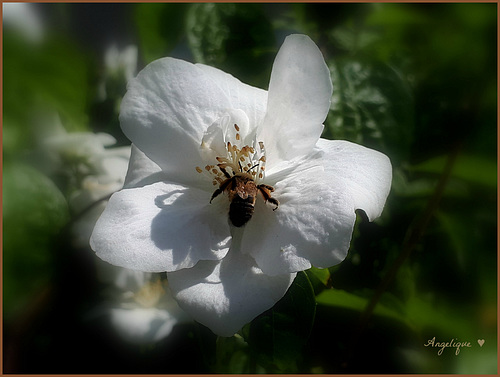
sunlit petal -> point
(299, 99)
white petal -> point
(141, 170)
(363, 173)
(318, 199)
(165, 112)
(298, 101)
(129, 280)
(214, 142)
(143, 325)
(227, 294)
(161, 227)
(251, 100)
(313, 225)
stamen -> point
(246, 159)
(236, 127)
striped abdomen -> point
(241, 210)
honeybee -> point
(242, 192)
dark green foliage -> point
(277, 338)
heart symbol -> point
(481, 342)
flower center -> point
(150, 294)
(235, 159)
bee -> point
(242, 192)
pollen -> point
(237, 159)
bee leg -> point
(215, 194)
(267, 187)
(275, 202)
(266, 190)
(224, 171)
(221, 189)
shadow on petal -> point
(225, 295)
(189, 227)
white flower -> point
(121, 61)
(195, 121)
(145, 311)
(89, 199)
(118, 65)
(94, 168)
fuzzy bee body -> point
(241, 210)
(242, 192)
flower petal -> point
(161, 227)
(298, 101)
(141, 170)
(312, 225)
(166, 110)
(318, 199)
(250, 99)
(225, 295)
(143, 325)
(364, 174)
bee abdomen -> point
(241, 210)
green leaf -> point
(319, 278)
(440, 317)
(474, 169)
(237, 38)
(371, 105)
(50, 78)
(346, 300)
(34, 210)
(160, 27)
(232, 355)
(424, 187)
(277, 337)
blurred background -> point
(417, 82)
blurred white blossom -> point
(91, 167)
(140, 305)
(23, 19)
(119, 66)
